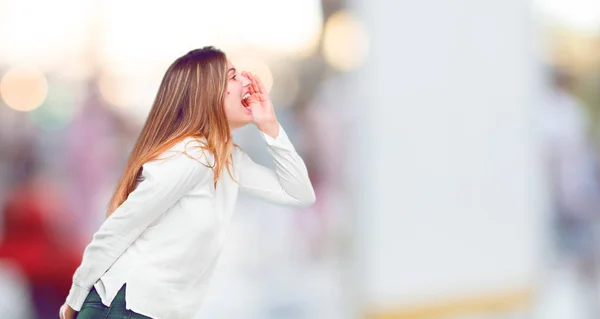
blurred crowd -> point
(55, 186)
(60, 161)
(571, 150)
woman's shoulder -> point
(190, 143)
(185, 158)
(192, 147)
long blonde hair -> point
(189, 103)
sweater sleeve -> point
(164, 182)
(288, 184)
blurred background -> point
(453, 147)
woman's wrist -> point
(270, 128)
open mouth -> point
(245, 100)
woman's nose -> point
(245, 80)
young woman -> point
(154, 255)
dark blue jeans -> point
(94, 308)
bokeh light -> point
(23, 89)
(109, 85)
(130, 94)
(255, 66)
(345, 41)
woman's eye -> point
(233, 78)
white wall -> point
(448, 185)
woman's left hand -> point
(66, 312)
(259, 101)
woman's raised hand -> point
(260, 102)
